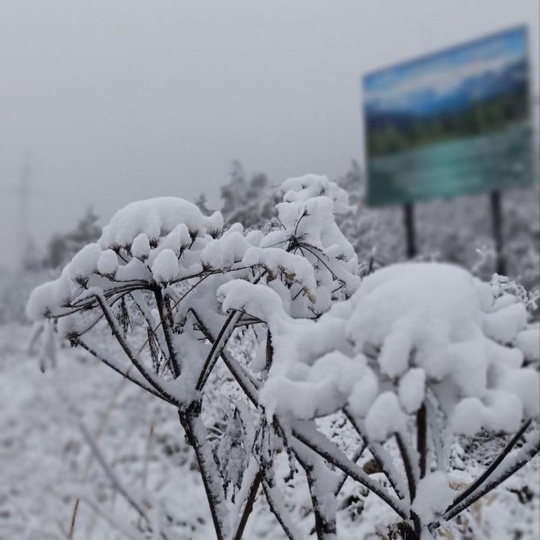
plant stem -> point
(196, 434)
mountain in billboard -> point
(427, 102)
(481, 103)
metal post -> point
(408, 214)
(497, 224)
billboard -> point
(451, 123)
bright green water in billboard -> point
(457, 167)
(450, 123)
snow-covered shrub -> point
(398, 364)
(159, 265)
(421, 353)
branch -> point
(323, 509)
(218, 346)
(242, 377)
(222, 339)
(329, 451)
(524, 455)
(278, 509)
(166, 322)
(490, 470)
(129, 353)
(343, 476)
(196, 434)
(339, 459)
(381, 456)
(126, 374)
(421, 438)
(254, 479)
(408, 463)
(112, 476)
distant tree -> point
(233, 192)
(201, 203)
(31, 257)
(62, 247)
(249, 202)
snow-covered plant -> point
(403, 362)
(421, 353)
(154, 278)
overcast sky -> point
(119, 100)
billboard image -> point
(451, 123)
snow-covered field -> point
(46, 462)
(272, 384)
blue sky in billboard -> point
(451, 79)
(450, 123)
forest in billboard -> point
(450, 123)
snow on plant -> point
(421, 352)
(409, 357)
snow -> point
(425, 325)
(85, 262)
(524, 383)
(165, 266)
(411, 390)
(468, 416)
(309, 186)
(295, 267)
(46, 297)
(226, 251)
(528, 341)
(503, 325)
(363, 394)
(141, 246)
(107, 263)
(257, 300)
(425, 306)
(41, 297)
(433, 496)
(155, 218)
(500, 411)
(319, 391)
(385, 417)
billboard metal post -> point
(497, 225)
(408, 214)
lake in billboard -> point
(452, 123)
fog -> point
(128, 99)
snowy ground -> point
(45, 462)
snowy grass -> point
(46, 463)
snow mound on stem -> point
(156, 218)
(409, 329)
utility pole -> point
(24, 190)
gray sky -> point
(120, 100)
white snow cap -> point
(167, 240)
(420, 325)
(156, 218)
(107, 263)
(433, 496)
